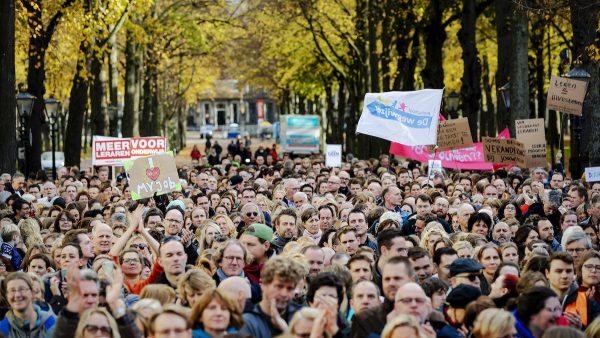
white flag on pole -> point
(409, 118)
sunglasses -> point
(170, 239)
(472, 277)
(140, 246)
(251, 214)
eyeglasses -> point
(130, 260)
(176, 221)
(233, 258)
(93, 329)
(140, 246)
(19, 290)
(408, 300)
(251, 214)
(576, 250)
(592, 267)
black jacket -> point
(371, 320)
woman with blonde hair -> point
(464, 249)
(494, 323)
(206, 233)
(95, 321)
(309, 322)
(264, 203)
(30, 232)
(163, 293)
(404, 326)
(215, 315)
(226, 225)
(192, 285)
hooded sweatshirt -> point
(17, 328)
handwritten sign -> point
(531, 132)
(566, 95)
(453, 134)
(151, 175)
(333, 155)
(506, 151)
(592, 174)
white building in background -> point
(225, 103)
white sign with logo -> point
(333, 155)
(592, 174)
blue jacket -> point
(200, 333)
(258, 324)
(522, 330)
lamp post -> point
(505, 93)
(24, 108)
(577, 123)
(52, 116)
(452, 101)
(565, 59)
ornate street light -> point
(24, 108)
(51, 105)
(577, 73)
(505, 93)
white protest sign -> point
(592, 174)
(435, 167)
(333, 155)
(409, 118)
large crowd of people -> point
(265, 245)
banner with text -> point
(505, 151)
(592, 174)
(115, 151)
(453, 134)
(470, 158)
(533, 136)
(156, 174)
(409, 118)
(566, 95)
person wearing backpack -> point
(25, 319)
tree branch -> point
(49, 31)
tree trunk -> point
(8, 137)
(131, 86)
(539, 76)
(98, 94)
(519, 80)
(471, 81)
(502, 72)
(435, 35)
(78, 105)
(113, 91)
(373, 23)
(488, 112)
(584, 21)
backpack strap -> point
(48, 324)
(5, 326)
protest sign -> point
(300, 134)
(453, 134)
(434, 167)
(409, 118)
(507, 151)
(333, 155)
(531, 133)
(566, 95)
(592, 174)
(152, 174)
(115, 151)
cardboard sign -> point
(115, 151)
(506, 151)
(453, 134)
(333, 155)
(434, 167)
(151, 175)
(592, 174)
(566, 95)
(531, 132)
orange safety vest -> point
(579, 306)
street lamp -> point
(24, 108)
(52, 115)
(505, 93)
(452, 101)
(577, 122)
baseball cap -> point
(261, 231)
(462, 295)
(462, 265)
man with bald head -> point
(102, 237)
(365, 295)
(238, 289)
(412, 300)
